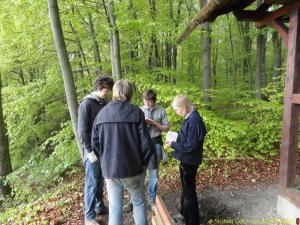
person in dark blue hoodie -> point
(188, 150)
(87, 112)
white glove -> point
(164, 157)
(92, 157)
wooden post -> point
(288, 152)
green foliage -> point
(33, 106)
(236, 128)
(29, 213)
(41, 173)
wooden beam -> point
(296, 99)
(289, 144)
(282, 29)
(271, 16)
(162, 211)
(201, 17)
(252, 15)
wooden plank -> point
(288, 151)
(282, 30)
(158, 217)
(296, 99)
(163, 212)
(201, 17)
(271, 16)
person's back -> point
(121, 151)
(121, 138)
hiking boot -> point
(128, 207)
(91, 222)
(102, 211)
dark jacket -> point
(189, 144)
(87, 112)
(121, 137)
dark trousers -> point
(189, 202)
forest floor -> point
(229, 192)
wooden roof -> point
(261, 15)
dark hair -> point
(149, 94)
(103, 82)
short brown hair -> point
(149, 94)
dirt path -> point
(227, 190)
(245, 205)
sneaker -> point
(91, 222)
(151, 204)
(102, 211)
(128, 207)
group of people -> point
(120, 141)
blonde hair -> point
(122, 90)
(181, 101)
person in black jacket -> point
(121, 138)
(188, 150)
(87, 111)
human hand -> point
(92, 157)
(150, 122)
(168, 143)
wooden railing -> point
(161, 215)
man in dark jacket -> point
(122, 140)
(87, 111)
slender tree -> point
(206, 58)
(91, 31)
(260, 60)
(5, 163)
(114, 40)
(65, 65)
(156, 62)
(277, 45)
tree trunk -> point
(244, 33)
(175, 21)
(206, 58)
(91, 31)
(277, 55)
(5, 163)
(78, 43)
(214, 63)
(154, 44)
(115, 40)
(64, 65)
(138, 47)
(260, 60)
(232, 53)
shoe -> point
(151, 204)
(91, 222)
(102, 211)
(178, 218)
(128, 207)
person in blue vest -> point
(188, 149)
(87, 112)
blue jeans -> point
(135, 187)
(153, 174)
(93, 190)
